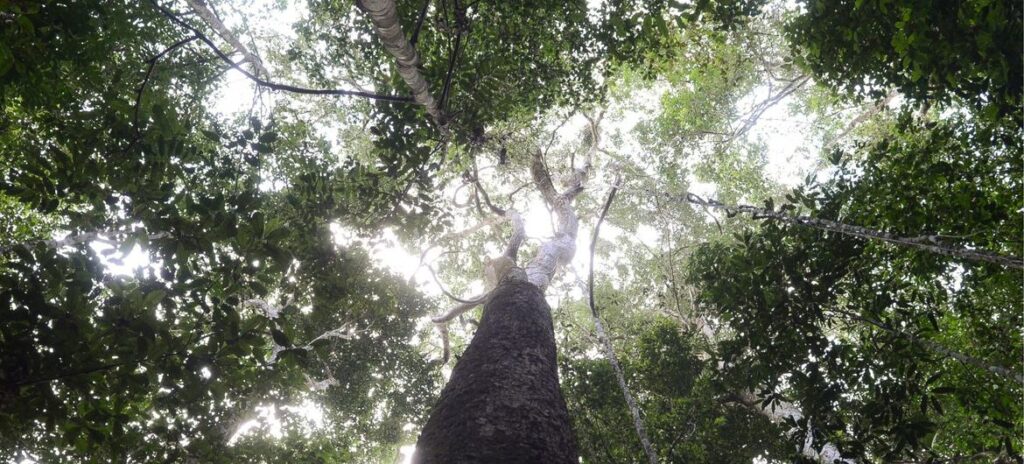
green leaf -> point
(280, 338)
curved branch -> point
(149, 73)
(466, 305)
(274, 85)
(445, 291)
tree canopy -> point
(235, 231)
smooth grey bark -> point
(384, 16)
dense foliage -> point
(181, 283)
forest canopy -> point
(326, 231)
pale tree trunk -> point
(606, 344)
(385, 20)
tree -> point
(179, 284)
(887, 315)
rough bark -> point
(385, 20)
(503, 403)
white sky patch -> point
(246, 20)
(386, 250)
(123, 264)
(790, 151)
(267, 420)
(406, 452)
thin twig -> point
(149, 72)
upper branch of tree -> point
(385, 20)
(934, 245)
(201, 9)
(559, 250)
(759, 109)
(274, 85)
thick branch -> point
(562, 247)
(865, 233)
(204, 12)
(385, 20)
(518, 234)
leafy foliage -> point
(838, 322)
(932, 52)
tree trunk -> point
(503, 403)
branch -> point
(559, 250)
(273, 85)
(72, 240)
(483, 193)
(452, 62)
(448, 294)
(149, 73)
(759, 109)
(419, 22)
(863, 232)
(518, 235)
(609, 351)
(937, 348)
(199, 6)
(385, 20)
(466, 305)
